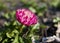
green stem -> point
(21, 29)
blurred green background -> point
(10, 29)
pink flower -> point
(26, 17)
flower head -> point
(26, 17)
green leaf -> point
(9, 35)
(27, 40)
(32, 9)
(40, 14)
(35, 27)
(15, 31)
(54, 2)
(6, 16)
(5, 40)
(21, 40)
(54, 20)
(16, 39)
(7, 23)
(0, 38)
(12, 14)
(58, 18)
(14, 23)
